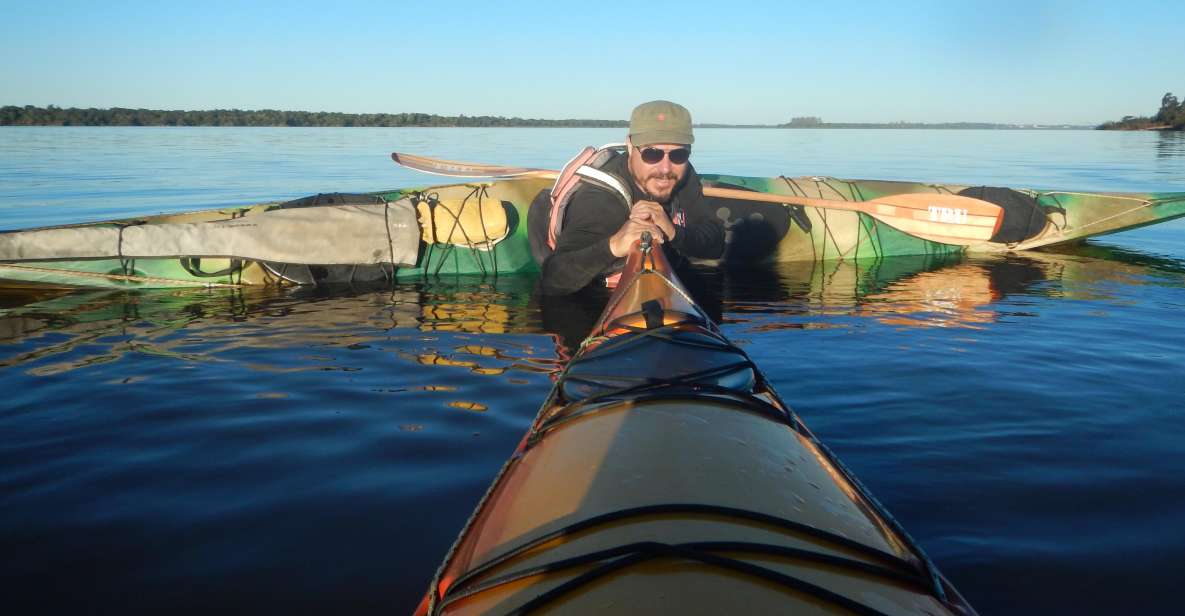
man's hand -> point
(621, 242)
(652, 212)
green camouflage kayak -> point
(480, 228)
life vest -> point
(546, 216)
(584, 167)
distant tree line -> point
(1170, 116)
(805, 122)
(119, 116)
(51, 115)
(817, 122)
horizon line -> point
(423, 119)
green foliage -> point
(806, 122)
(1170, 116)
(118, 116)
(1172, 112)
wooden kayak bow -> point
(938, 217)
(664, 474)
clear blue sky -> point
(728, 61)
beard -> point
(660, 186)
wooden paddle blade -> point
(454, 168)
(941, 215)
(938, 217)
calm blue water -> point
(310, 451)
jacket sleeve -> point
(582, 249)
(703, 235)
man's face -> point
(659, 178)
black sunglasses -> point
(653, 156)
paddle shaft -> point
(939, 217)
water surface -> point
(313, 450)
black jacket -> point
(582, 255)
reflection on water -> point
(927, 291)
(203, 324)
(1170, 143)
(162, 437)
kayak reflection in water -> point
(570, 318)
(581, 234)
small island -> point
(1170, 117)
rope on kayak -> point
(702, 319)
(822, 213)
(892, 568)
(795, 189)
(193, 265)
(662, 333)
(760, 398)
(481, 215)
(172, 282)
(584, 408)
(1144, 205)
(691, 386)
(1056, 208)
(127, 266)
(390, 239)
(674, 387)
(433, 200)
(658, 550)
(867, 224)
(652, 550)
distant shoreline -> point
(1160, 127)
(118, 116)
(1170, 117)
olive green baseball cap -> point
(660, 122)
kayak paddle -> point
(938, 217)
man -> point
(666, 199)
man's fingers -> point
(652, 212)
(630, 232)
(651, 227)
(638, 228)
